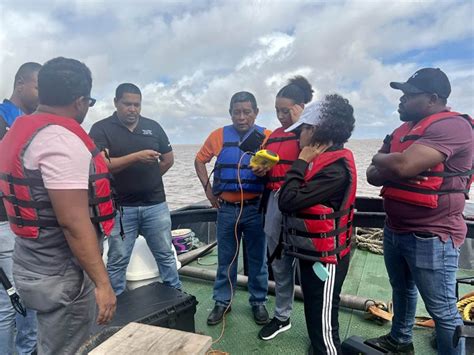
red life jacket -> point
(425, 193)
(21, 187)
(319, 233)
(287, 147)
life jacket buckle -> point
(324, 235)
(323, 217)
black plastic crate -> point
(155, 304)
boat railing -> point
(369, 214)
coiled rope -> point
(370, 239)
(466, 308)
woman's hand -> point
(312, 151)
(295, 112)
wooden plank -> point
(140, 339)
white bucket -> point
(142, 269)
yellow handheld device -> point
(264, 158)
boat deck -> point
(367, 277)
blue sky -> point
(189, 57)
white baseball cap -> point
(311, 115)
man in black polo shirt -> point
(138, 154)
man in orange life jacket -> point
(57, 197)
(424, 168)
(225, 194)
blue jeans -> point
(154, 223)
(251, 227)
(25, 326)
(429, 265)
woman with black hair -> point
(317, 201)
(289, 104)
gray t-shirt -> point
(454, 138)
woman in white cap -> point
(317, 202)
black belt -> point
(252, 201)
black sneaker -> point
(274, 328)
(386, 342)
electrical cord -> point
(237, 241)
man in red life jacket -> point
(424, 168)
(55, 187)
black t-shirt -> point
(139, 184)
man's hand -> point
(295, 112)
(148, 156)
(107, 302)
(213, 199)
(311, 151)
(417, 179)
(260, 170)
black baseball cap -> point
(426, 80)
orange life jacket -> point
(320, 233)
(425, 193)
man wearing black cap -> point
(424, 170)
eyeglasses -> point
(91, 100)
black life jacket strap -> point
(231, 166)
(410, 137)
(21, 181)
(312, 255)
(281, 139)
(332, 233)
(424, 191)
(230, 144)
(388, 139)
(21, 222)
(98, 200)
(95, 152)
(448, 173)
(322, 217)
(27, 204)
(96, 177)
(236, 181)
(285, 162)
(107, 217)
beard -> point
(410, 117)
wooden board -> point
(138, 339)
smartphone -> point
(252, 141)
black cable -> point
(11, 292)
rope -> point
(370, 239)
(466, 308)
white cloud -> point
(190, 57)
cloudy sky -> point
(189, 57)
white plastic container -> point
(142, 269)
